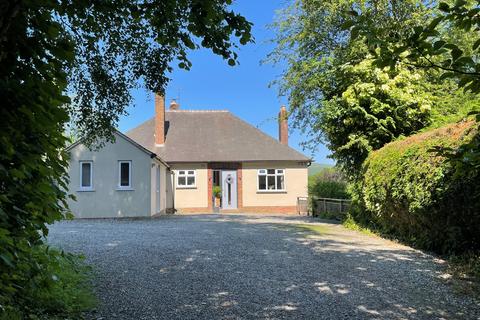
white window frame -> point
(186, 175)
(90, 187)
(130, 166)
(278, 172)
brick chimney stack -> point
(283, 126)
(159, 119)
(174, 105)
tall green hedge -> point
(411, 192)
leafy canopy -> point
(338, 93)
(449, 41)
(118, 43)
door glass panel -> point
(229, 193)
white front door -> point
(157, 190)
(229, 189)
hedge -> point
(413, 193)
(328, 183)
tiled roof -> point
(212, 136)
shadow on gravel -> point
(236, 267)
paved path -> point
(250, 267)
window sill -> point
(271, 191)
(125, 189)
(86, 190)
(192, 187)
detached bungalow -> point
(176, 160)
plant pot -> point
(217, 202)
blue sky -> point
(243, 89)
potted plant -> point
(217, 194)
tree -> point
(339, 94)
(93, 52)
(449, 43)
(328, 183)
(376, 108)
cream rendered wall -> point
(106, 201)
(196, 197)
(296, 184)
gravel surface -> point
(249, 267)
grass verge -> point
(319, 229)
(465, 271)
(350, 223)
(61, 290)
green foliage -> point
(449, 41)
(119, 43)
(217, 191)
(465, 269)
(95, 52)
(327, 189)
(454, 108)
(328, 183)
(32, 163)
(339, 95)
(377, 107)
(315, 168)
(419, 196)
(60, 290)
(350, 223)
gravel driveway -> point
(248, 267)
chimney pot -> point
(174, 105)
(283, 125)
(159, 119)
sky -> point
(243, 89)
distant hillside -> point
(316, 167)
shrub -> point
(417, 195)
(328, 183)
(60, 290)
(217, 191)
